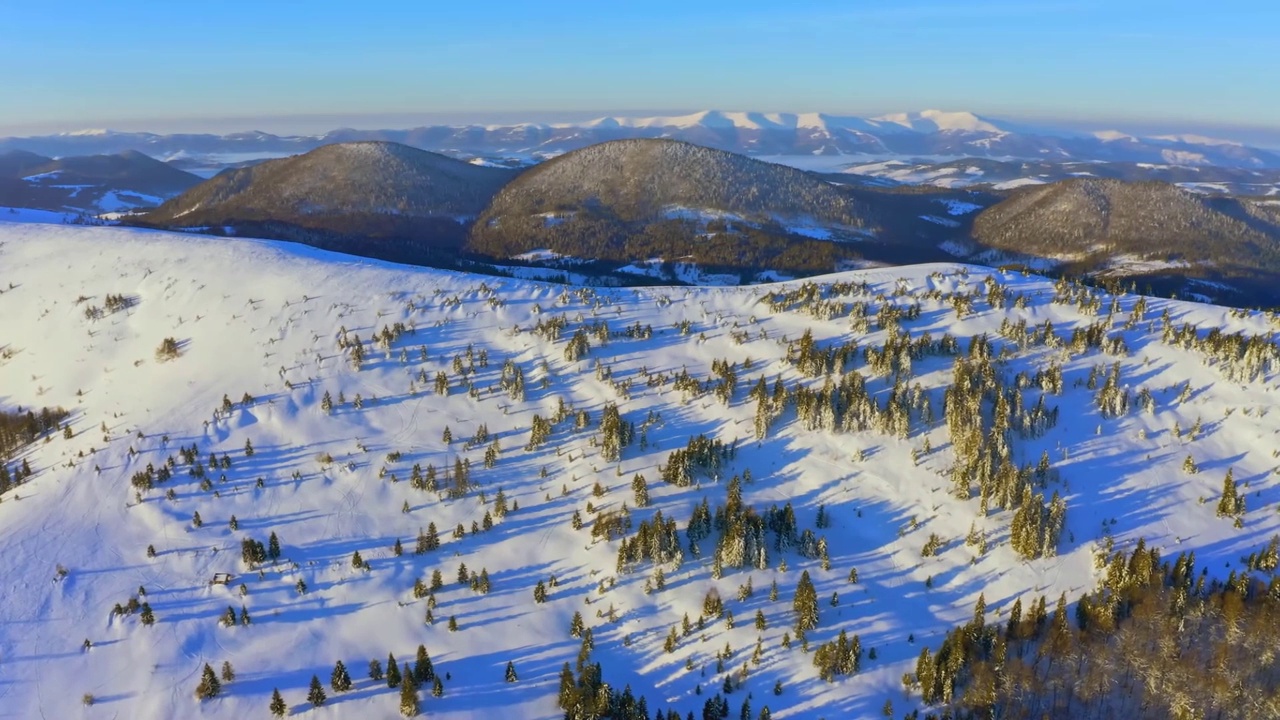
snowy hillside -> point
(276, 328)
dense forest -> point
(19, 428)
(1154, 640)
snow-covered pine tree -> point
(316, 695)
(805, 604)
(423, 671)
(408, 696)
(340, 679)
(209, 686)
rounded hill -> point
(360, 178)
(629, 200)
(1090, 220)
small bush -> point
(168, 350)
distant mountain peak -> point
(941, 121)
(1192, 139)
(1114, 136)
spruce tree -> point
(393, 671)
(437, 688)
(423, 672)
(408, 697)
(228, 672)
(1230, 503)
(375, 669)
(340, 680)
(511, 672)
(316, 695)
(805, 604)
(278, 707)
(209, 686)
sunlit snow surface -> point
(250, 315)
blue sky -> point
(130, 64)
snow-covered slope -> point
(265, 319)
(941, 121)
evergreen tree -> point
(278, 707)
(393, 671)
(1231, 503)
(375, 670)
(273, 547)
(511, 672)
(408, 697)
(805, 604)
(316, 695)
(423, 672)
(641, 490)
(437, 688)
(228, 672)
(340, 680)
(147, 617)
(209, 686)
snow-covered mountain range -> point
(332, 432)
(926, 133)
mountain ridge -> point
(90, 184)
(928, 132)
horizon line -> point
(320, 124)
